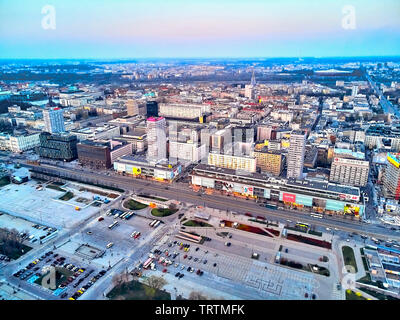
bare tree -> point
(155, 282)
(195, 295)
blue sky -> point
(190, 28)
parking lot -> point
(77, 277)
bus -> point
(189, 237)
(147, 263)
(153, 223)
(112, 225)
(302, 225)
(157, 224)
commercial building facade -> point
(311, 196)
(270, 161)
(156, 139)
(140, 168)
(245, 163)
(349, 171)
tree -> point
(195, 295)
(155, 282)
(172, 206)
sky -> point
(198, 28)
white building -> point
(245, 163)
(156, 139)
(296, 152)
(54, 120)
(183, 111)
(23, 143)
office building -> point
(245, 163)
(132, 107)
(296, 152)
(195, 112)
(152, 108)
(59, 146)
(391, 179)
(54, 120)
(156, 139)
(269, 161)
(349, 168)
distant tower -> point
(253, 79)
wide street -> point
(176, 191)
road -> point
(386, 105)
(214, 201)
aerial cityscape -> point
(187, 172)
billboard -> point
(334, 205)
(248, 190)
(304, 200)
(267, 193)
(120, 166)
(196, 180)
(288, 197)
(208, 183)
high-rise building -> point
(58, 146)
(54, 120)
(152, 108)
(270, 161)
(349, 168)
(156, 139)
(391, 181)
(132, 107)
(296, 152)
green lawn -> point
(67, 196)
(349, 258)
(135, 290)
(194, 223)
(134, 205)
(158, 212)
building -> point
(101, 154)
(305, 195)
(19, 142)
(156, 139)
(104, 132)
(59, 146)
(391, 180)
(296, 152)
(187, 111)
(244, 163)
(269, 161)
(94, 154)
(132, 107)
(54, 120)
(152, 108)
(139, 167)
(349, 168)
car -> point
(89, 232)
(63, 295)
(176, 265)
(164, 270)
(286, 250)
(183, 267)
(348, 240)
(196, 259)
(100, 219)
(177, 274)
(185, 256)
(197, 249)
(228, 244)
(190, 258)
(205, 261)
(103, 272)
(188, 269)
(215, 264)
(181, 275)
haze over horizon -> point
(125, 29)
